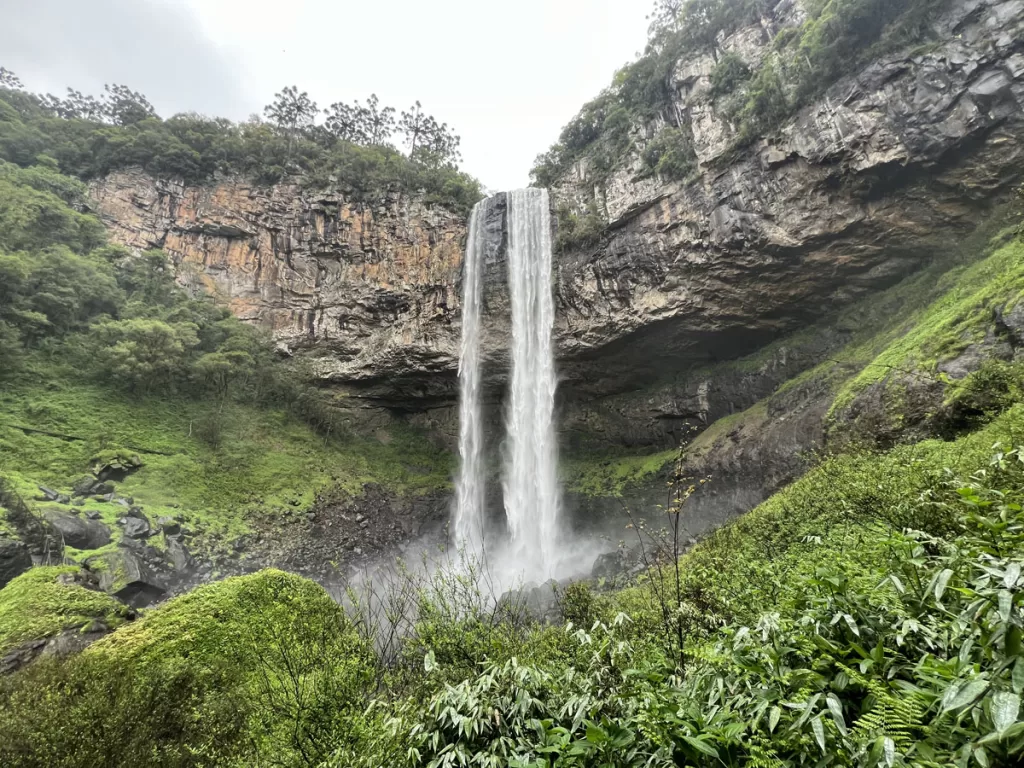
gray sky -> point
(507, 76)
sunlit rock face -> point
(857, 190)
(369, 290)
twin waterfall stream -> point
(530, 547)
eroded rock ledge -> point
(889, 168)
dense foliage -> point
(838, 37)
(256, 670)
(101, 346)
(88, 137)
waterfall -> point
(530, 482)
(530, 472)
(470, 486)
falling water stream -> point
(468, 520)
(530, 482)
(530, 468)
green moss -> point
(947, 326)
(218, 619)
(265, 461)
(611, 475)
(756, 414)
(38, 604)
(262, 669)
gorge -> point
(728, 405)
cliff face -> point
(886, 170)
(369, 290)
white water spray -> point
(530, 485)
(469, 515)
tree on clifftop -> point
(10, 80)
(378, 122)
(292, 111)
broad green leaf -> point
(773, 718)
(701, 746)
(819, 732)
(981, 756)
(837, 712)
(941, 582)
(961, 694)
(1005, 604)
(1005, 708)
(851, 624)
(889, 749)
(1017, 678)
(1011, 576)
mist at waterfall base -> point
(533, 546)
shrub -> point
(578, 231)
(730, 73)
(670, 154)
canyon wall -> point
(888, 169)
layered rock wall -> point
(889, 168)
(371, 290)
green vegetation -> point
(578, 231)
(87, 138)
(46, 601)
(869, 614)
(945, 328)
(838, 37)
(255, 670)
(101, 353)
(610, 476)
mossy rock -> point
(48, 600)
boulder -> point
(131, 574)
(181, 558)
(14, 560)
(116, 469)
(169, 525)
(48, 493)
(137, 528)
(78, 533)
(84, 487)
(609, 565)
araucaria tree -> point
(378, 122)
(428, 142)
(292, 111)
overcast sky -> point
(506, 75)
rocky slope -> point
(857, 190)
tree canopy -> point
(354, 148)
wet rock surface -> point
(78, 533)
(15, 559)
